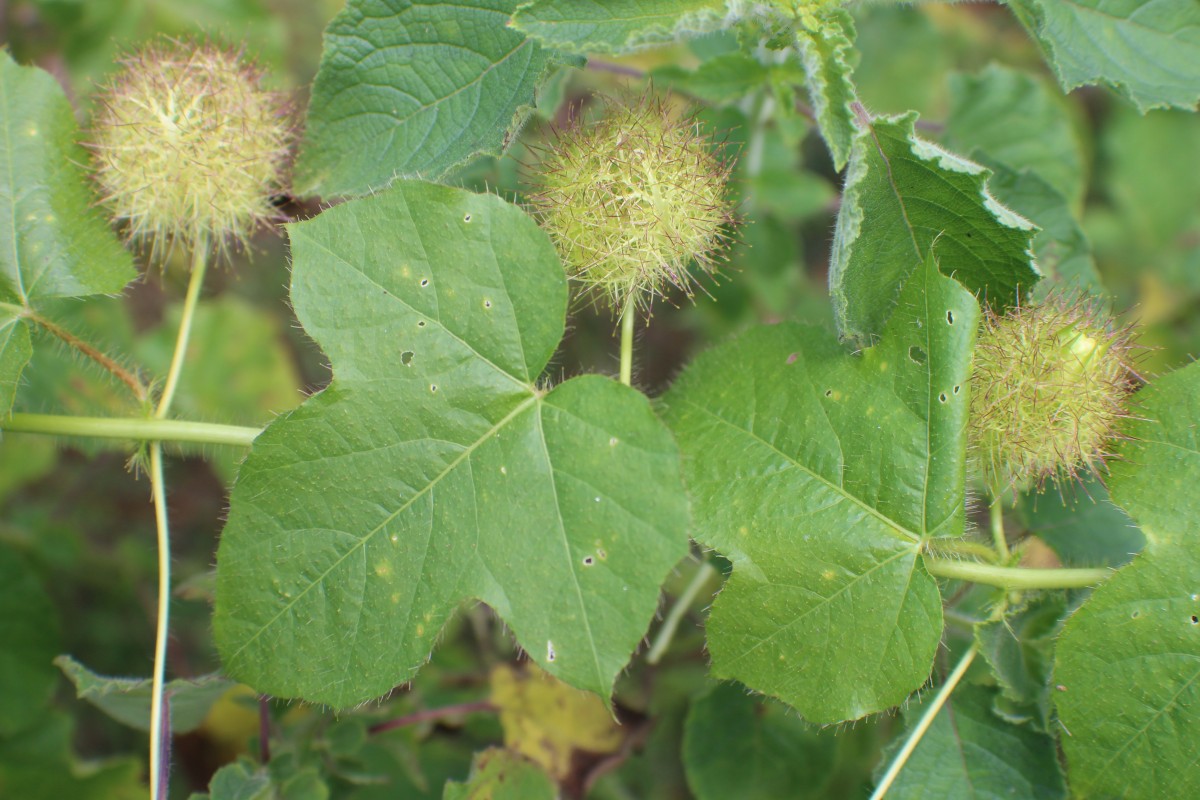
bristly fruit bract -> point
(634, 200)
(1048, 388)
(188, 147)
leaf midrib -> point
(453, 465)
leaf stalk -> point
(132, 428)
(1015, 577)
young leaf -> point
(820, 474)
(1019, 649)
(414, 87)
(826, 45)
(902, 196)
(127, 700)
(970, 752)
(29, 631)
(618, 26)
(53, 240)
(1149, 51)
(433, 470)
(1128, 661)
(736, 745)
(498, 774)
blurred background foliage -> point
(76, 531)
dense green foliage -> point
(424, 545)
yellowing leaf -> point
(546, 720)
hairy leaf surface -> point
(618, 26)
(819, 474)
(413, 88)
(53, 240)
(1128, 661)
(1149, 50)
(904, 199)
(826, 50)
(433, 470)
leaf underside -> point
(432, 470)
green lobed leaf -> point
(239, 781)
(819, 474)
(1128, 661)
(1016, 120)
(1149, 50)
(499, 774)
(904, 198)
(433, 470)
(29, 631)
(54, 242)
(735, 745)
(970, 752)
(414, 88)
(127, 700)
(826, 48)
(619, 26)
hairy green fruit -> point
(633, 201)
(1048, 389)
(187, 146)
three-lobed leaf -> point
(433, 469)
(1128, 662)
(414, 88)
(820, 474)
(904, 198)
(53, 240)
(1149, 50)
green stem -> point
(964, 547)
(996, 517)
(160, 769)
(667, 632)
(199, 267)
(158, 744)
(627, 320)
(125, 376)
(1015, 577)
(135, 428)
(927, 718)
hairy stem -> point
(122, 374)
(135, 428)
(159, 766)
(431, 714)
(667, 632)
(927, 718)
(1015, 577)
(627, 320)
(956, 546)
(199, 267)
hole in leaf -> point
(406, 358)
(588, 561)
(487, 303)
(942, 397)
(550, 654)
(421, 324)
(466, 218)
(1195, 620)
(949, 317)
(829, 392)
(1135, 615)
(917, 355)
(433, 387)
(424, 281)
(957, 389)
